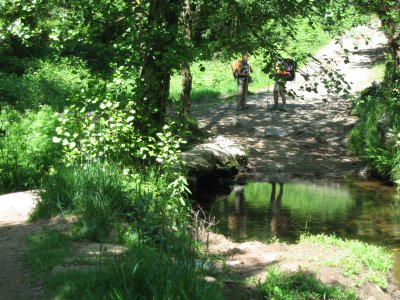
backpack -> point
(234, 66)
(290, 68)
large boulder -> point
(219, 156)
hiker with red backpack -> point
(285, 71)
(241, 71)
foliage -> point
(213, 78)
(379, 108)
(23, 27)
(105, 123)
(299, 285)
(371, 262)
(27, 152)
(45, 82)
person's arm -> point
(243, 74)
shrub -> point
(45, 82)
(105, 122)
(378, 106)
(27, 152)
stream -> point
(365, 210)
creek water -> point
(365, 210)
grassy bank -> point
(141, 211)
(375, 137)
(361, 262)
(146, 272)
(27, 153)
(143, 272)
(300, 285)
(372, 263)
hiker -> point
(280, 85)
(242, 70)
(284, 72)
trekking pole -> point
(268, 93)
(246, 86)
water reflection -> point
(279, 220)
(237, 219)
(368, 211)
(265, 210)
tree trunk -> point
(186, 90)
(159, 58)
(185, 68)
(391, 28)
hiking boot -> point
(283, 108)
(274, 107)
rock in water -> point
(218, 155)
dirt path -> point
(14, 211)
(316, 141)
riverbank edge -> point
(241, 267)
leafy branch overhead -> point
(132, 48)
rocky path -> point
(316, 127)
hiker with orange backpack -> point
(285, 71)
(241, 71)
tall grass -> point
(144, 274)
(103, 196)
(46, 250)
(98, 192)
